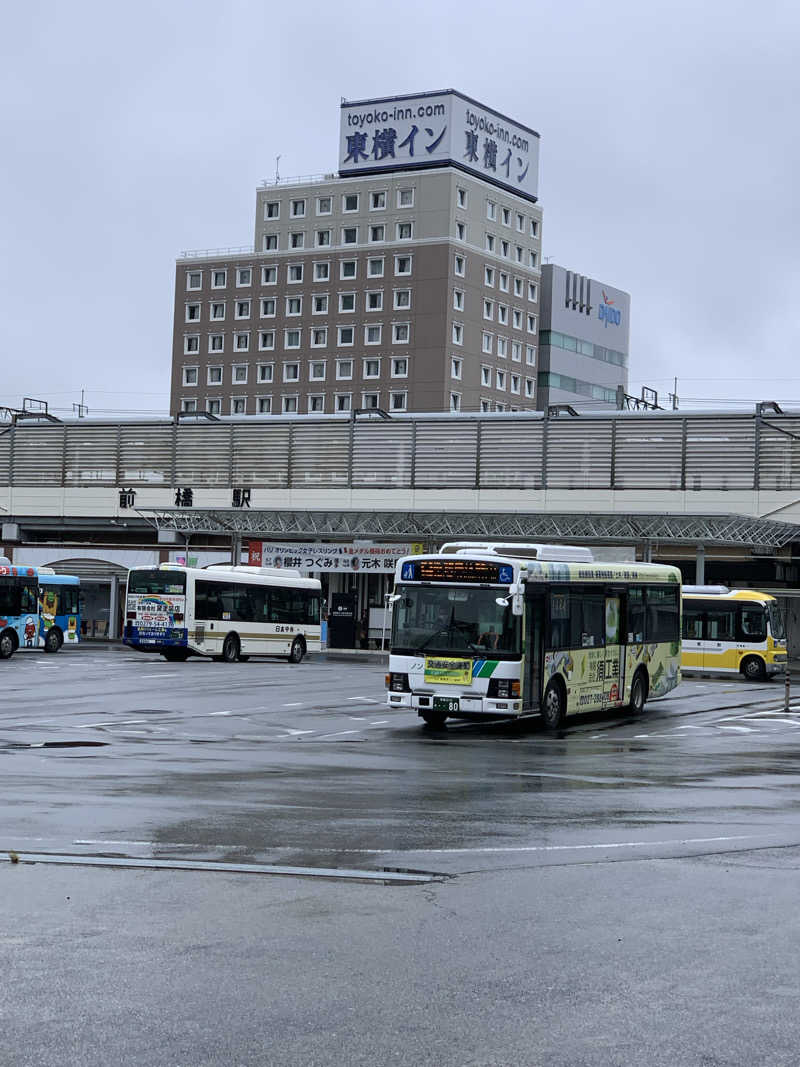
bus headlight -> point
(397, 683)
(503, 687)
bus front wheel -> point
(638, 694)
(554, 705)
(753, 669)
(298, 650)
(7, 644)
(230, 649)
(53, 640)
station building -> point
(409, 279)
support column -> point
(113, 609)
(700, 565)
(236, 549)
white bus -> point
(225, 611)
(498, 631)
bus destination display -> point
(472, 571)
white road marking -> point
(124, 722)
(297, 704)
(739, 729)
(357, 718)
(379, 722)
(366, 700)
(541, 848)
(212, 713)
(296, 733)
(338, 733)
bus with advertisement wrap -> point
(59, 610)
(224, 611)
(19, 608)
(499, 631)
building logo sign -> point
(436, 128)
(607, 313)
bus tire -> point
(554, 705)
(230, 649)
(638, 693)
(753, 668)
(175, 655)
(53, 639)
(243, 659)
(435, 719)
(297, 651)
(7, 644)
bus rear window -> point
(159, 583)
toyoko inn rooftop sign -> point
(436, 129)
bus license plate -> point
(448, 704)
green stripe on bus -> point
(488, 667)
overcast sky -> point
(669, 166)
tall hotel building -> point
(409, 281)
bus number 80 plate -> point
(448, 704)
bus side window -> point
(635, 625)
(720, 624)
(588, 620)
(7, 597)
(753, 624)
(29, 599)
(692, 623)
(559, 635)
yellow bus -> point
(732, 631)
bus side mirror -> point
(516, 604)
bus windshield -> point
(776, 621)
(437, 619)
(157, 583)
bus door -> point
(615, 652)
(534, 642)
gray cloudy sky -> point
(670, 161)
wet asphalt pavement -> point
(625, 892)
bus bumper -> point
(468, 706)
(154, 640)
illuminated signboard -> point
(468, 571)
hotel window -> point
(344, 369)
(372, 368)
(400, 368)
(487, 342)
(347, 268)
(375, 268)
(244, 276)
(216, 342)
(239, 374)
(238, 405)
(506, 217)
(294, 305)
(298, 209)
(316, 370)
(322, 272)
(266, 340)
(458, 333)
(190, 375)
(269, 275)
(502, 281)
(515, 383)
(486, 405)
(342, 402)
(189, 406)
(461, 231)
(402, 265)
(533, 292)
(488, 309)
(324, 205)
(349, 235)
(323, 238)
(501, 379)
(345, 336)
(458, 299)
(270, 242)
(214, 407)
(402, 298)
(401, 332)
(461, 197)
(502, 347)
(377, 201)
(289, 405)
(376, 233)
(219, 279)
(350, 202)
(242, 309)
(319, 337)
(499, 407)
(319, 304)
(191, 343)
(405, 197)
(370, 400)
(491, 210)
(214, 376)
(488, 276)
(375, 300)
(398, 401)
(504, 247)
(533, 259)
(295, 272)
(490, 242)
(264, 405)
(529, 388)
(534, 228)
(291, 339)
(455, 367)
(530, 355)
(521, 223)
(347, 302)
(218, 310)
(516, 351)
(518, 287)
(272, 209)
(241, 342)
(194, 279)
(502, 314)
(405, 231)
(531, 324)
(268, 306)
(518, 253)
(455, 401)
(266, 372)
(517, 319)
(486, 375)
(291, 372)
(372, 334)
(316, 403)
(459, 263)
